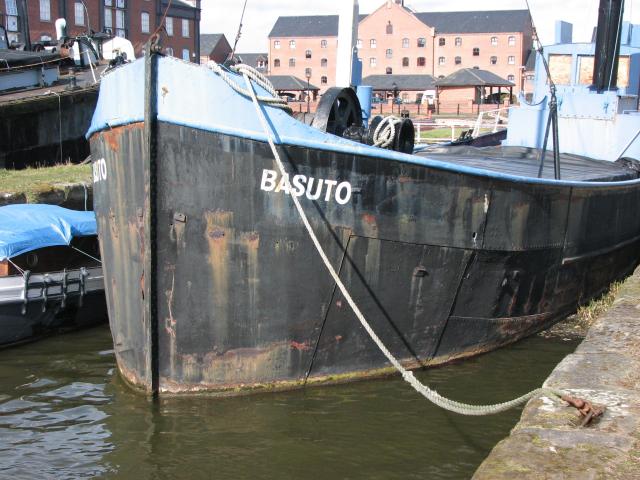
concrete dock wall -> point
(547, 443)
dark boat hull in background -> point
(213, 284)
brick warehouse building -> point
(135, 20)
(395, 40)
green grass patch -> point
(34, 181)
(588, 313)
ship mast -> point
(605, 68)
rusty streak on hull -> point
(443, 265)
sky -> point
(223, 16)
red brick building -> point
(394, 40)
(135, 20)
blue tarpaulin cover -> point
(27, 227)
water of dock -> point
(64, 413)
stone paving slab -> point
(548, 442)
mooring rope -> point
(407, 375)
(385, 132)
(274, 100)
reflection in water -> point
(65, 414)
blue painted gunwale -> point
(192, 95)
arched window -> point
(276, 63)
(307, 54)
(458, 60)
(276, 44)
(389, 71)
(494, 41)
(421, 62)
(372, 43)
(422, 42)
(323, 80)
(441, 60)
(292, 44)
(389, 53)
(493, 60)
(512, 40)
(307, 72)
(511, 60)
(389, 28)
(323, 63)
(292, 62)
(442, 41)
(405, 62)
(323, 44)
(405, 43)
(458, 41)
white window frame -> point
(144, 22)
(120, 19)
(168, 25)
(373, 62)
(108, 18)
(185, 54)
(108, 3)
(441, 60)
(11, 7)
(169, 51)
(511, 60)
(373, 43)
(78, 10)
(494, 41)
(512, 40)
(276, 44)
(406, 43)
(121, 4)
(185, 28)
(45, 10)
(292, 44)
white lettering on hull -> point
(312, 188)
(99, 168)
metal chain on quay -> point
(383, 133)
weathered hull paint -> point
(444, 265)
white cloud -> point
(223, 16)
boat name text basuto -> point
(301, 185)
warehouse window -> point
(144, 22)
(422, 42)
(442, 42)
(292, 62)
(421, 62)
(45, 10)
(168, 23)
(405, 62)
(79, 13)
(185, 28)
(276, 63)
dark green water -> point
(64, 413)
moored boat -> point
(214, 284)
(50, 276)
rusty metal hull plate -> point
(444, 265)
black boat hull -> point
(443, 264)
